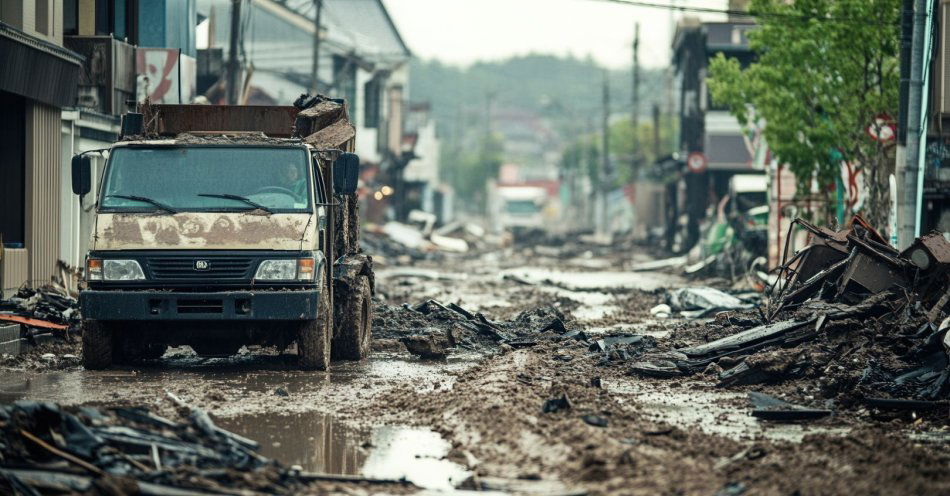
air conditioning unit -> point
(942, 66)
(88, 97)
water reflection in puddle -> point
(315, 441)
(320, 443)
(712, 412)
(580, 281)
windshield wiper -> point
(146, 200)
(238, 198)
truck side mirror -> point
(346, 174)
(82, 174)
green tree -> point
(470, 169)
(584, 153)
(825, 69)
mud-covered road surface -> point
(477, 419)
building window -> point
(371, 103)
(344, 78)
(71, 17)
(103, 13)
(42, 16)
(116, 18)
(13, 170)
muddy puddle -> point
(713, 412)
(319, 442)
(244, 384)
(593, 280)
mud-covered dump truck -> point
(223, 226)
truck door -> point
(324, 221)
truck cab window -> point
(322, 196)
(205, 178)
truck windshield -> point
(522, 207)
(209, 178)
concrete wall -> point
(426, 167)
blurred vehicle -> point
(518, 209)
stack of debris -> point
(48, 449)
(432, 329)
(864, 322)
(419, 239)
(35, 316)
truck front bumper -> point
(222, 305)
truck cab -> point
(520, 209)
(219, 240)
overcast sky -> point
(465, 31)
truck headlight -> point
(288, 269)
(113, 270)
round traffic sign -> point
(882, 129)
(696, 162)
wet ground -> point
(477, 415)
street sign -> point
(696, 162)
(882, 129)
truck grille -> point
(183, 268)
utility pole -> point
(606, 172)
(635, 97)
(907, 171)
(907, 36)
(489, 109)
(315, 65)
(656, 131)
(234, 67)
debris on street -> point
(49, 449)
(48, 307)
(703, 301)
(724, 272)
(34, 317)
(852, 321)
(431, 328)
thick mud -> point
(480, 414)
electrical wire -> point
(743, 13)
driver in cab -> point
(291, 179)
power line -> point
(743, 13)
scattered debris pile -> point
(699, 302)
(49, 449)
(852, 321)
(42, 315)
(419, 239)
(432, 329)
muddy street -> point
(531, 414)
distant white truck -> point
(519, 209)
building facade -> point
(39, 78)
(70, 69)
(709, 134)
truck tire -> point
(352, 340)
(96, 345)
(313, 338)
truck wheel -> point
(96, 345)
(352, 340)
(313, 338)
